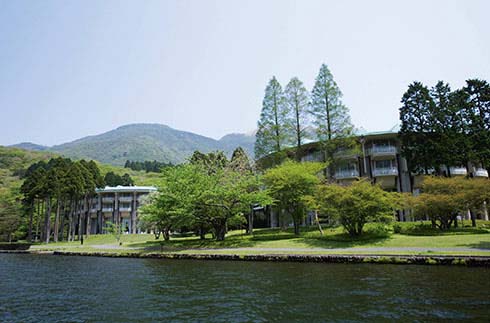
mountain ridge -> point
(144, 141)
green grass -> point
(309, 242)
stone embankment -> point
(473, 261)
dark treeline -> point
(66, 189)
(147, 166)
(113, 179)
(442, 128)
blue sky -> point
(74, 68)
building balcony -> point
(346, 154)
(388, 171)
(382, 151)
(107, 209)
(124, 209)
(480, 172)
(313, 157)
(125, 198)
(345, 174)
(458, 171)
(108, 200)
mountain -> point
(147, 142)
(30, 146)
(230, 142)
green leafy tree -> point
(290, 184)
(224, 197)
(297, 100)
(355, 205)
(174, 205)
(272, 131)
(441, 201)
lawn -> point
(418, 236)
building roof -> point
(126, 189)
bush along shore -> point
(470, 261)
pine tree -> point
(297, 100)
(330, 117)
(417, 128)
(477, 119)
(240, 162)
(271, 134)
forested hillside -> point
(142, 142)
(13, 165)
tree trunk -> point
(250, 229)
(56, 221)
(70, 222)
(88, 218)
(317, 220)
(202, 232)
(31, 216)
(166, 234)
(473, 218)
(80, 220)
(40, 211)
(298, 133)
(296, 227)
(47, 220)
(156, 233)
(220, 230)
(62, 225)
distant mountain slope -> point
(30, 146)
(230, 142)
(145, 142)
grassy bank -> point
(414, 239)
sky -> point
(69, 69)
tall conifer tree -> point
(297, 100)
(271, 133)
(330, 117)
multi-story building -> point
(116, 205)
(379, 159)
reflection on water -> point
(37, 288)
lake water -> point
(40, 288)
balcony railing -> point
(458, 171)
(107, 199)
(388, 171)
(346, 174)
(125, 198)
(382, 150)
(125, 209)
(480, 172)
(107, 209)
(346, 154)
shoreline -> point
(445, 260)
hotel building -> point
(116, 205)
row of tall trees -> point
(441, 127)
(292, 116)
(65, 188)
(147, 165)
